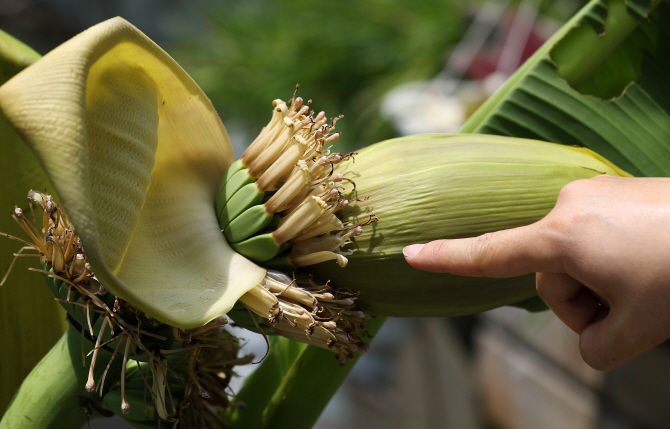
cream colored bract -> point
(135, 151)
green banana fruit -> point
(71, 300)
(251, 221)
(259, 248)
(228, 189)
(223, 193)
(285, 174)
(245, 198)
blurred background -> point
(391, 68)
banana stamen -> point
(304, 311)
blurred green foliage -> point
(346, 54)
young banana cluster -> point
(277, 205)
(282, 194)
(189, 369)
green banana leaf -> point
(30, 321)
(602, 81)
(292, 385)
(610, 94)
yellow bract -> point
(135, 151)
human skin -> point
(602, 258)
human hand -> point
(602, 258)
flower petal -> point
(135, 151)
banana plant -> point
(136, 152)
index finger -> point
(507, 253)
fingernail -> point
(412, 250)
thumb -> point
(508, 253)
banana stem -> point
(53, 395)
(292, 385)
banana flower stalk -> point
(137, 153)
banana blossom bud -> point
(429, 187)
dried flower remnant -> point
(303, 310)
(188, 370)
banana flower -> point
(136, 152)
